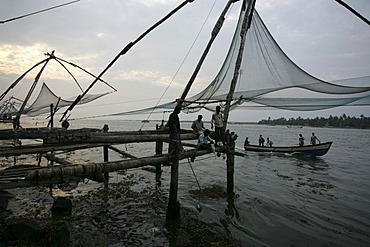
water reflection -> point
(231, 209)
(311, 163)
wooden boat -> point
(312, 150)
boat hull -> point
(312, 150)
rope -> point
(206, 158)
(196, 179)
(199, 207)
(75, 65)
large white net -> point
(46, 97)
(265, 68)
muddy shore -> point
(130, 212)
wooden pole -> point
(353, 11)
(106, 158)
(51, 121)
(92, 135)
(158, 151)
(123, 52)
(214, 34)
(33, 86)
(86, 140)
(230, 161)
(123, 153)
(29, 177)
(232, 137)
(245, 26)
(173, 208)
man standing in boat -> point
(246, 142)
(314, 139)
(218, 121)
(261, 141)
(301, 140)
(269, 143)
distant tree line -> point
(343, 121)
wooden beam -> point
(79, 170)
(125, 154)
(37, 148)
(38, 175)
(40, 133)
(95, 141)
(52, 157)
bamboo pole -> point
(230, 161)
(92, 134)
(64, 163)
(106, 158)
(96, 141)
(41, 133)
(51, 121)
(123, 52)
(28, 177)
(247, 19)
(214, 34)
(33, 149)
(33, 86)
(79, 170)
(123, 153)
(173, 207)
(51, 157)
(158, 151)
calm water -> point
(289, 201)
(281, 200)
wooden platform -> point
(57, 139)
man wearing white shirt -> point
(204, 141)
(198, 125)
(218, 121)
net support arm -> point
(353, 11)
(37, 78)
(123, 52)
(215, 31)
(20, 78)
(245, 26)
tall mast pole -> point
(245, 26)
(353, 11)
(214, 33)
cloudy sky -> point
(322, 37)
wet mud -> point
(129, 212)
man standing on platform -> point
(174, 127)
(218, 121)
(198, 125)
